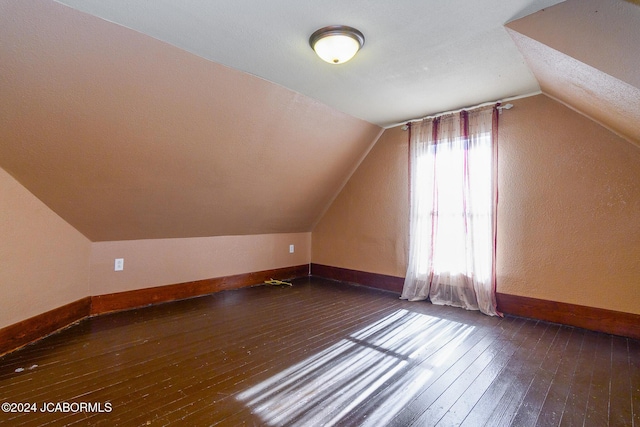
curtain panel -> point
(453, 210)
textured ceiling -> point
(586, 54)
(420, 57)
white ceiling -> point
(420, 57)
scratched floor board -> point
(530, 403)
(557, 395)
(577, 398)
(173, 386)
(397, 386)
(179, 391)
(597, 412)
(479, 354)
(323, 352)
(405, 393)
(634, 378)
(491, 390)
(291, 341)
(319, 340)
(102, 336)
(96, 358)
(442, 397)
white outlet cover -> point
(119, 264)
(292, 249)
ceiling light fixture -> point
(336, 44)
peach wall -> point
(609, 101)
(152, 142)
(366, 227)
(568, 219)
(44, 261)
(157, 262)
(580, 57)
(569, 212)
(583, 30)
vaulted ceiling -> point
(126, 137)
(586, 54)
(419, 57)
(164, 118)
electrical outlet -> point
(119, 264)
(292, 249)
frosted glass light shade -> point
(336, 44)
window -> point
(452, 211)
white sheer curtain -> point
(453, 199)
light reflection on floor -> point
(377, 370)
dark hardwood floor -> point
(321, 353)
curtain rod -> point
(484, 104)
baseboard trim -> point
(19, 334)
(127, 300)
(27, 331)
(595, 319)
(363, 278)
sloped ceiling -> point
(126, 137)
(586, 54)
(164, 118)
(419, 57)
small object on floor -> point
(277, 282)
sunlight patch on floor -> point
(376, 370)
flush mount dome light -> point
(336, 44)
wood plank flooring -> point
(321, 353)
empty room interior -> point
(202, 222)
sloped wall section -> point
(44, 261)
(129, 138)
(584, 53)
(366, 228)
